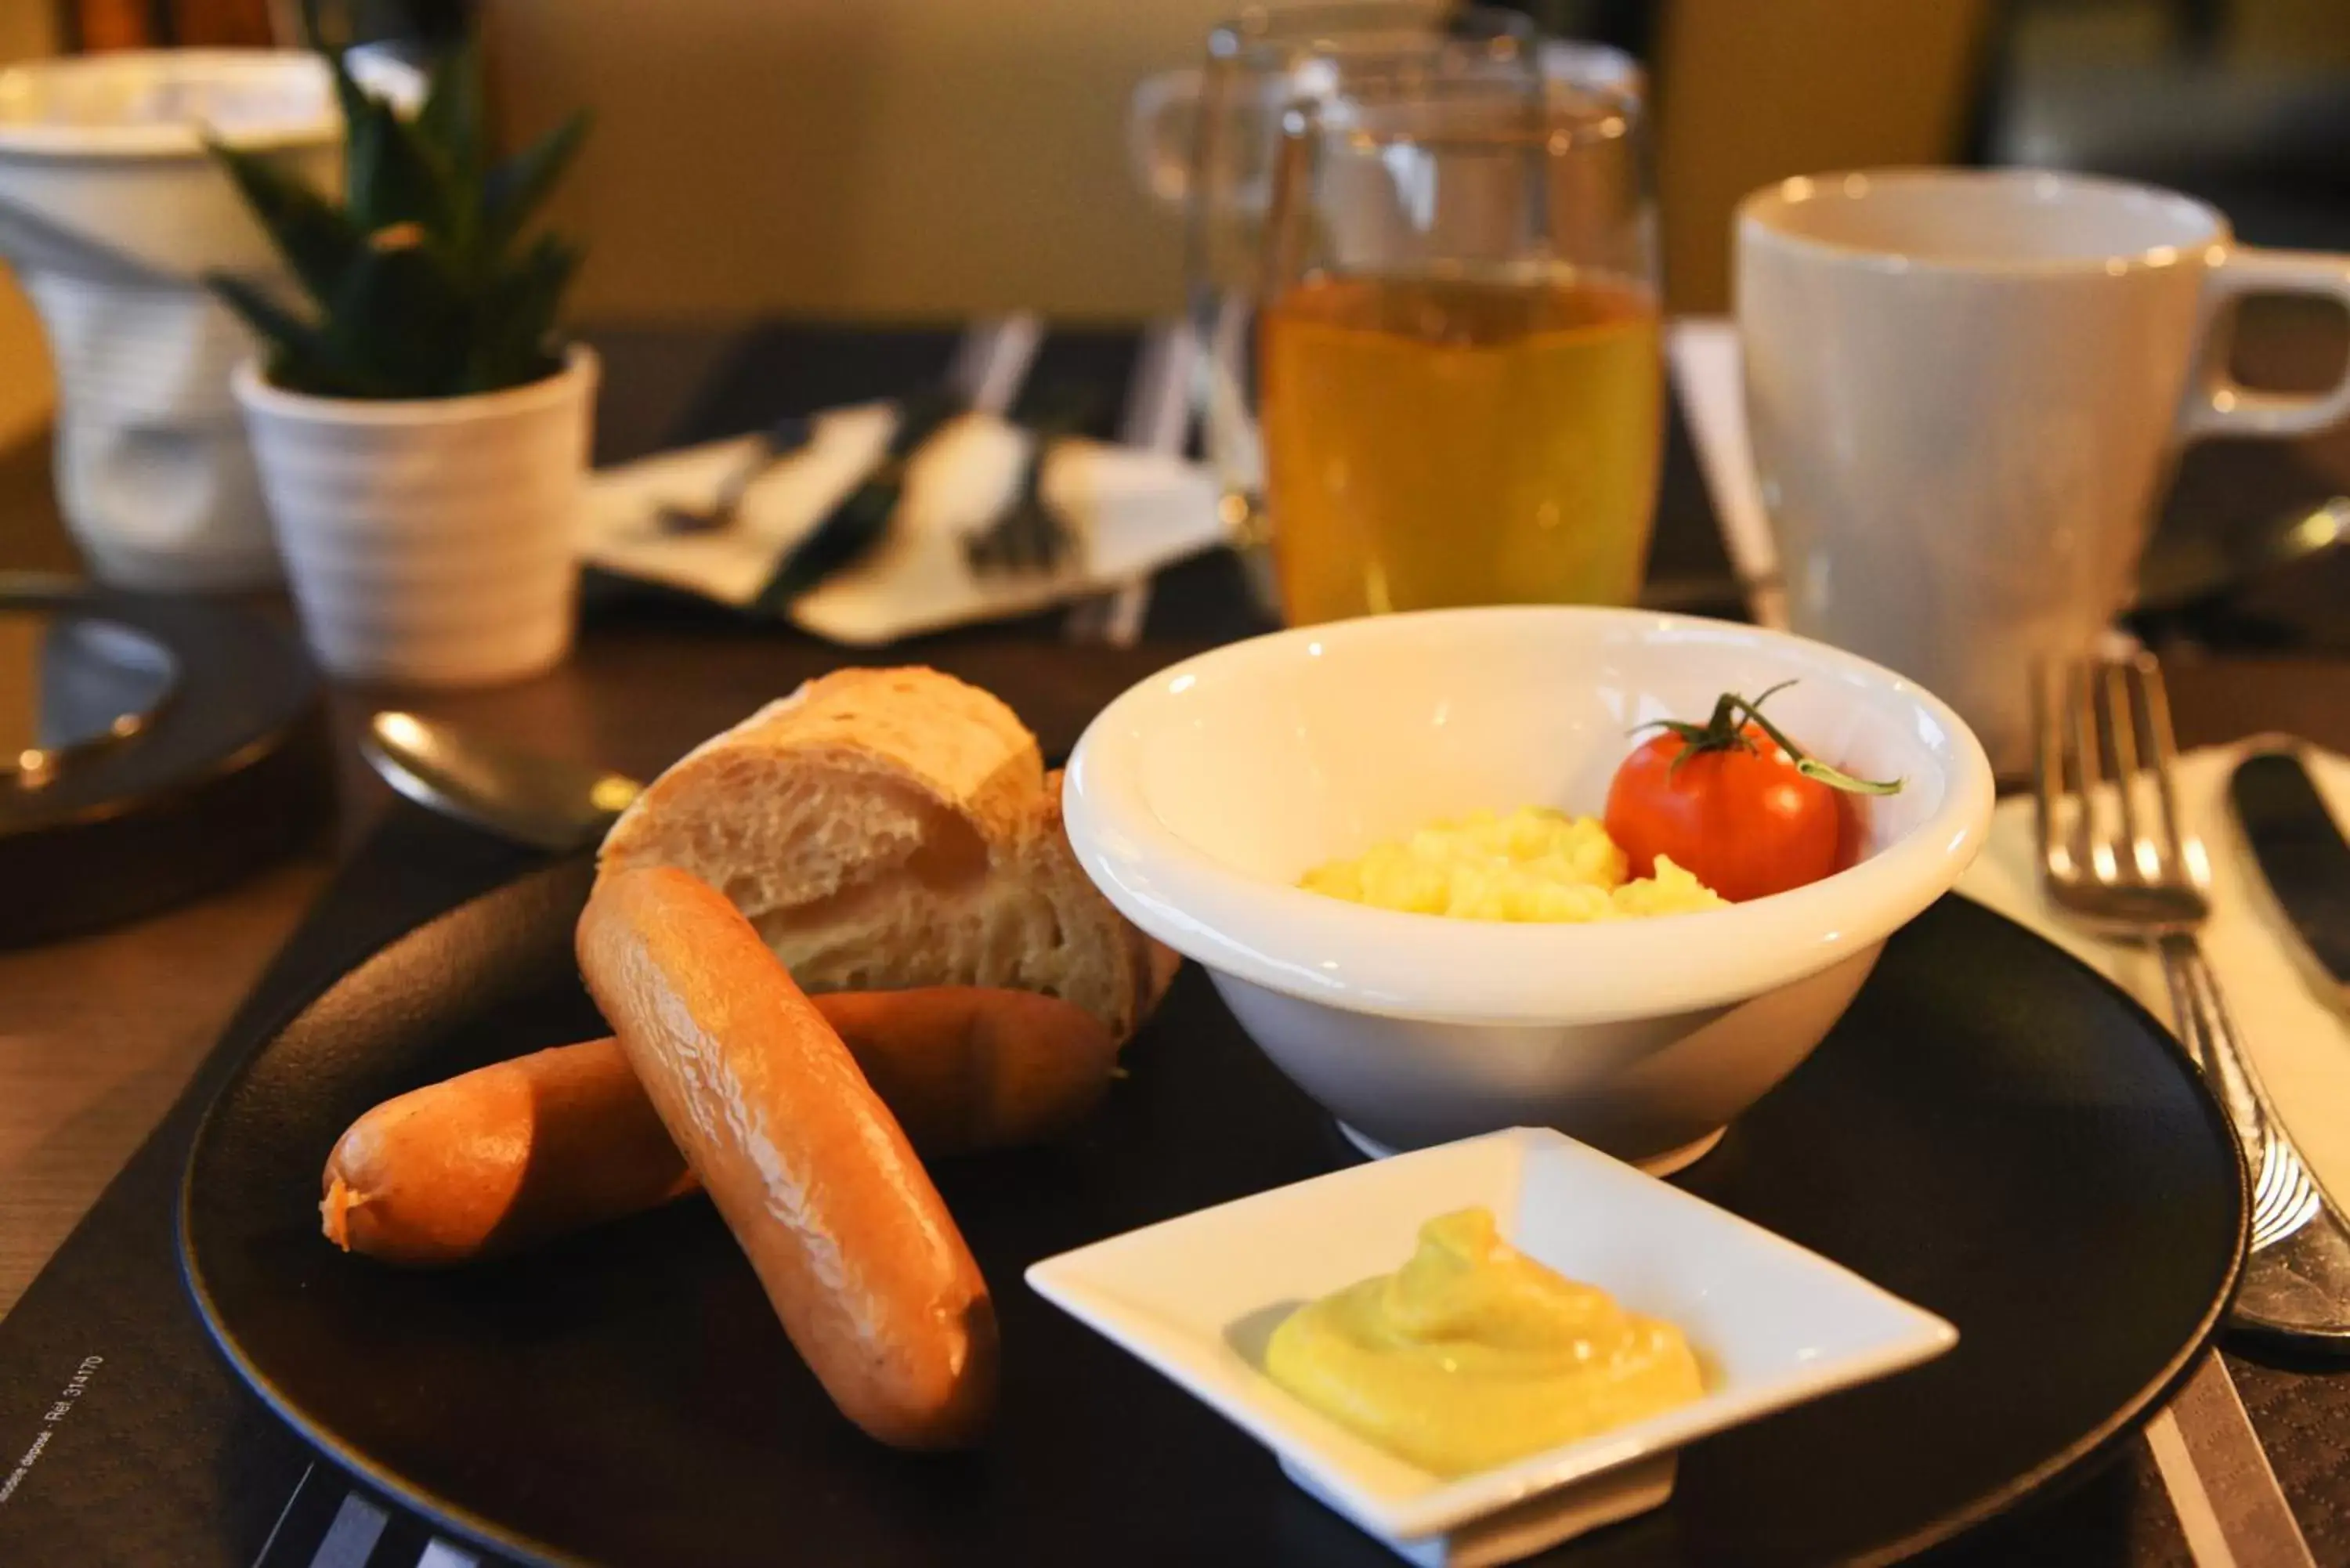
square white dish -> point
(1773, 1325)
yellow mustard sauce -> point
(1472, 1354)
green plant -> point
(419, 282)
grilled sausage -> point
(519, 1152)
(807, 1166)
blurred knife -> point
(2300, 851)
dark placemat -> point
(158, 1456)
(123, 1439)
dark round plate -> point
(1993, 1132)
(233, 771)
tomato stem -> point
(1725, 730)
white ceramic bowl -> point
(1198, 799)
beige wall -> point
(1756, 90)
(2307, 34)
(944, 157)
(27, 393)
(871, 158)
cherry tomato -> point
(1738, 817)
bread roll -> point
(888, 828)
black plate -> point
(234, 772)
(1993, 1132)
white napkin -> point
(1703, 352)
(1132, 510)
(2282, 1005)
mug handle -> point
(1157, 139)
(2219, 404)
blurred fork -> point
(2114, 855)
(1028, 540)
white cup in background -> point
(1966, 389)
(111, 213)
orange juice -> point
(1455, 441)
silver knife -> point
(2301, 852)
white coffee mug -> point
(1966, 389)
(111, 215)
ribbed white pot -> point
(429, 543)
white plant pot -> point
(429, 543)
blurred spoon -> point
(542, 802)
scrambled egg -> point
(1535, 864)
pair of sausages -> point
(520, 1152)
(799, 1116)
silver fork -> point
(2114, 855)
(1028, 540)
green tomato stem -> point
(1725, 730)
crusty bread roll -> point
(887, 828)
